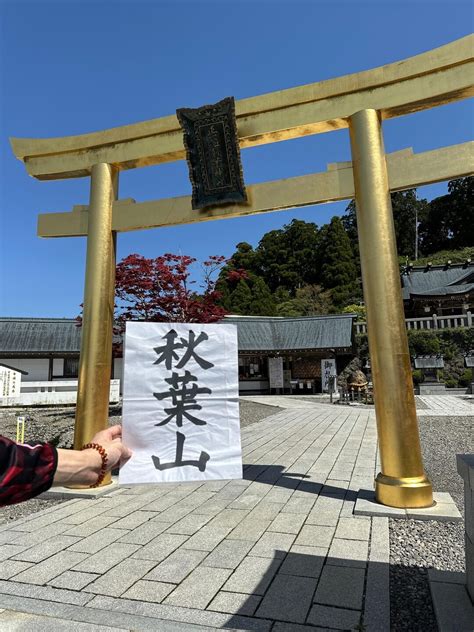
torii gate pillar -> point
(402, 481)
(98, 313)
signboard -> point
(10, 382)
(180, 403)
(213, 154)
(275, 372)
(328, 368)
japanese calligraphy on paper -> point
(180, 403)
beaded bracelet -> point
(103, 454)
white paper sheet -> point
(198, 407)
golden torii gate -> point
(359, 102)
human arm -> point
(26, 470)
(82, 467)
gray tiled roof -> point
(39, 336)
(262, 333)
(438, 281)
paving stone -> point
(11, 620)
(181, 615)
(134, 520)
(304, 563)
(207, 538)
(446, 577)
(443, 512)
(235, 603)
(8, 568)
(189, 524)
(366, 506)
(28, 539)
(199, 588)
(339, 618)
(177, 566)
(451, 604)
(211, 507)
(341, 586)
(145, 533)
(229, 518)
(288, 599)
(72, 580)
(253, 576)
(287, 523)
(377, 595)
(311, 535)
(43, 593)
(40, 552)
(353, 529)
(296, 627)
(10, 550)
(117, 580)
(80, 517)
(380, 541)
(323, 518)
(91, 526)
(228, 554)
(348, 553)
(149, 591)
(299, 505)
(9, 536)
(272, 544)
(160, 547)
(107, 558)
(164, 503)
(249, 529)
(97, 541)
(128, 505)
(43, 572)
(172, 515)
(265, 510)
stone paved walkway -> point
(279, 550)
(446, 405)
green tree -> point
(449, 224)
(339, 272)
(262, 302)
(310, 300)
(287, 257)
(240, 298)
(407, 210)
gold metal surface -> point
(92, 411)
(433, 78)
(402, 482)
(405, 170)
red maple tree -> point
(161, 290)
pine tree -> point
(240, 298)
(262, 302)
(339, 272)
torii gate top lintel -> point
(430, 79)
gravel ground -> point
(57, 425)
(417, 545)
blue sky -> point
(71, 67)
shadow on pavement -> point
(317, 592)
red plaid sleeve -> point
(26, 470)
